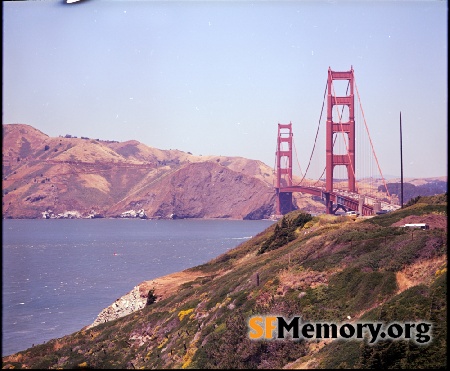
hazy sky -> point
(216, 77)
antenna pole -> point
(401, 163)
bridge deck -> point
(338, 199)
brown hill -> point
(82, 177)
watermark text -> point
(278, 327)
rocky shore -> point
(127, 304)
(136, 299)
(75, 214)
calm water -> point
(59, 274)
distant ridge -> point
(84, 177)
(70, 177)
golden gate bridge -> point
(340, 188)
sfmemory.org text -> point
(277, 327)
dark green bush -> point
(151, 297)
(284, 232)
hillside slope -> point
(70, 177)
(82, 177)
(324, 269)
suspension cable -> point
(296, 157)
(370, 139)
(334, 140)
(275, 169)
(317, 134)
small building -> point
(417, 226)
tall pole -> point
(401, 163)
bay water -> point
(58, 274)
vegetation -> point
(322, 268)
(151, 297)
(285, 232)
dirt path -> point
(433, 220)
(419, 273)
(167, 285)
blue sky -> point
(216, 77)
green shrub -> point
(151, 297)
(284, 232)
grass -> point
(207, 318)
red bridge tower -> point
(284, 168)
(348, 128)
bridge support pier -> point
(284, 204)
(328, 203)
(360, 205)
(376, 207)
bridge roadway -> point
(348, 202)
